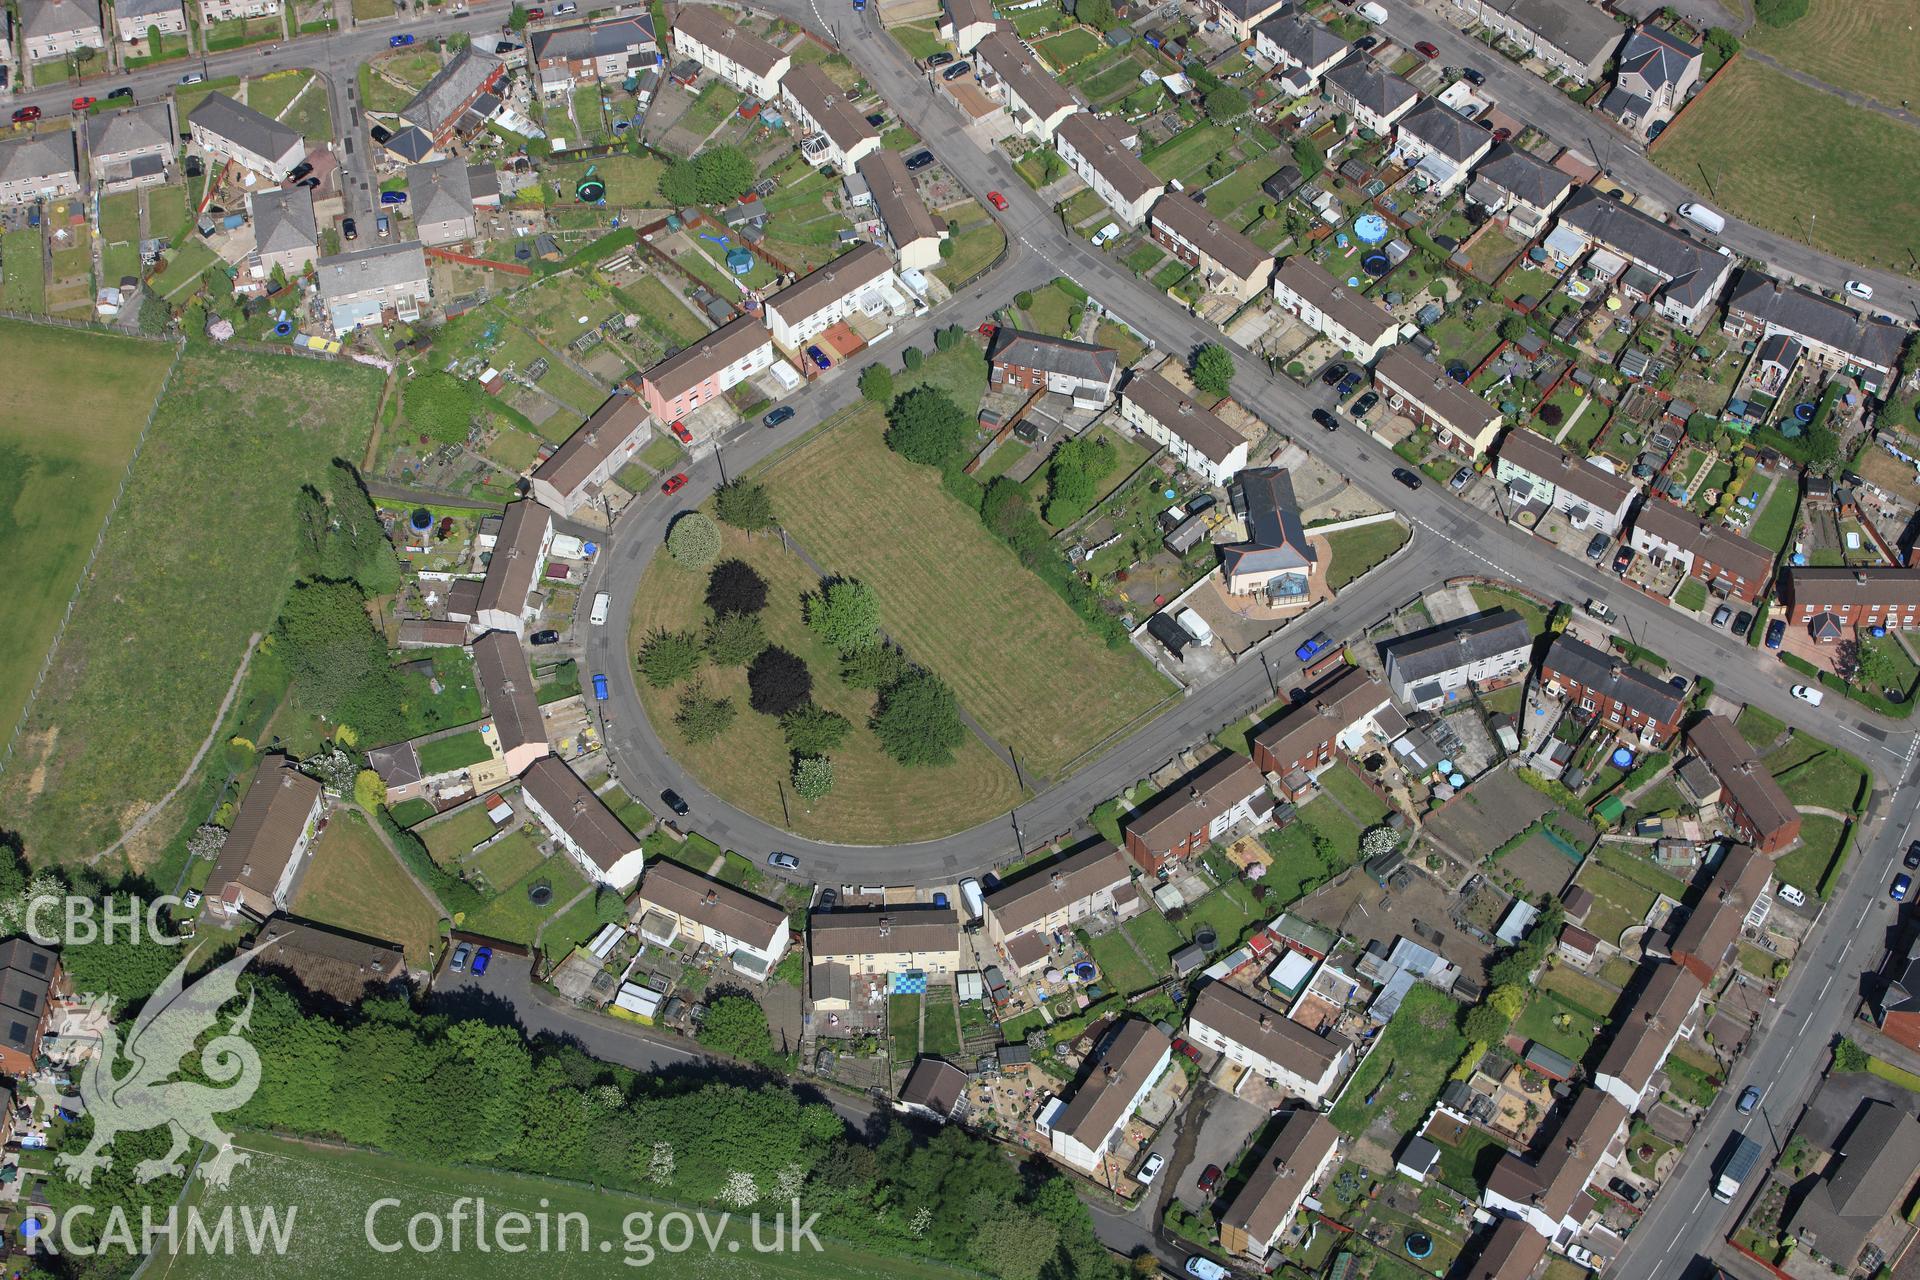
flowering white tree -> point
(787, 1183)
(207, 841)
(660, 1165)
(740, 1190)
(1378, 840)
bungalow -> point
(1098, 149)
(1037, 362)
(736, 55)
(526, 535)
(1227, 792)
(55, 28)
(1620, 697)
(505, 678)
(1229, 262)
(1336, 715)
(852, 283)
(1728, 563)
(443, 196)
(1861, 596)
(135, 20)
(1276, 561)
(373, 286)
(1375, 99)
(38, 166)
(1659, 1018)
(597, 448)
(1428, 669)
(594, 52)
(285, 231)
(29, 982)
(887, 940)
(965, 23)
(1867, 1178)
(1361, 325)
(703, 372)
(1687, 275)
(1282, 1051)
(1704, 944)
(131, 148)
(230, 131)
(1122, 1071)
(1539, 474)
(441, 109)
(1897, 1011)
(1300, 50)
(1037, 102)
(1544, 1192)
(1752, 803)
(1422, 391)
(270, 839)
(1520, 189)
(1089, 883)
(1255, 1221)
(675, 904)
(1837, 338)
(935, 1089)
(592, 835)
(1655, 72)
(1193, 436)
(834, 131)
(1572, 37)
(1442, 145)
(1509, 1252)
(914, 234)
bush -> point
(1779, 13)
(812, 777)
(668, 657)
(735, 639)
(812, 730)
(1848, 1056)
(441, 407)
(876, 384)
(1023, 300)
(700, 716)
(927, 427)
(912, 358)
(745, 505)
(1551, 414)
(918, 720)
(1073, 477)
(845, 614)
(693, 540)
(1211, 369)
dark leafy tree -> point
(338, 661)
(715, 176)
(1211, 369)
(927, 427)
(734, 638)
(1074, 474)
(735, 587)
(912, 358)
(875, 667)
(812, 730)
(744, 504)
(701, 716)
(778, 681)
(876, 384)
(918, 720)
(1226, 103)
(737, 1025)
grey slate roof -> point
(243, 126)
(1873, 1170)
(1538, 456)
(897, 198)
(1081, 360)
(45, 155)
(440, 190)
(1691, 269)
(592, 39)
(435, 106)
(1307, 43)
(1276, 538)
(1446, 131)
(1177, 412)
(1524, 176)
(410, 143)
(1424, 654)
(1572, 26)
(1102, 141)
(283, 219)
(1362, 80)
(144, 8)
(505, 677)
(136, 128)
(1604, 673)
(1009, 59)
(50, 17)
(386, 264)
(1656, 56)
(1806, 314)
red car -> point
(1181, 1046)
(680, 429)
(534, 15)
(82, 103)
(675, 483)
(997, 200)
(1501, 135)
(1209, 1177)
(1427, 49)
(26, 114)
(986, 328)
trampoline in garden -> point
(1458, 371)
(1803, 412)
(1084, 970)
(1370, 228)
(540, 893)
(1536, 254)
(1376, 264)
(1622, 758)
(1419, 1244)
(739, 261)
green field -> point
(332, 1190)
(512, 916)
(355, 882)
(79, 400)
(958, 601)
(1069, 47)
(195, 560)
(1812, 185)
(1868, 46)
(272, 94)
(25, 287)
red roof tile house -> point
(1729, 564)
(1862, 596)
(1898, 1008)
(1750, 800)
(1228, 792)
(1336, 716)
(1624, 698)
(1704, 944)
(1228, 261)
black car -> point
(778, 416)
(311, 183)
(876, 119)
(544, 637)
(1741, 622)
(919, 160)
(1912, 860)
(1406, 477)
(381, 134)
(124, 91)
(1472, 76)
(957, 70)
(939, 60)
(300, 171)
(1364, 405)
(672, 800)
(1326, 419)
(1365, 43)
(1335, 372)
(1624, 1189)
(1622, 560)
(1597, 548)
(349, 230)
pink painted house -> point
(704, 371)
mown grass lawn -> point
(1416, 1051)
(1120, 969)
(354, 882)
(512, 916)
(1862, 45)
(1357, 550)
(1069, 48)
(25, 279)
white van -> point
(601, 603)
(1702, 217)
(1374, 13)
(1196, 626)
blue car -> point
(1313, 648)
(1776, 633)
(1902, 886)
(600, 688)
(819, 357)
(1348, 385)
(480, 959)
(394, 42)
(393, 197)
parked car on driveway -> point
(481, 959)
(957, 70)
(675, 483)
(1722, 616)
(819, 358)
(1364, 405)
(679, 429)
(1776, 633)
(1623, 560)
(544, 637)
(1209, 1179)
(459, 962)
(1334, 373)
(1426, 49)
(299, 171)
(939, 60)
(1460, 479)
(349, 229)
(393, 197)
(1597, 547)
(919, 160)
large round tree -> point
(777, 682)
